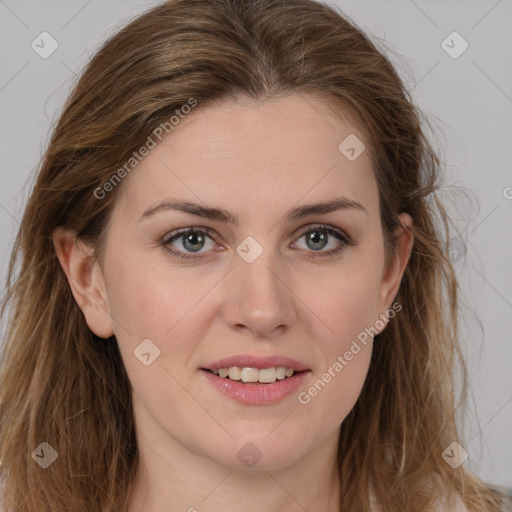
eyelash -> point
(342, 237)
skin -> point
(257, 161)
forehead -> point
(271, 155)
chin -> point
(258, 453)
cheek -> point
(160, 304)
(347, 298)
(156, 305)
(150, 299)
(350, 376)
(334, 391)
(348, 306)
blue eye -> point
(317, 238)
(193, 240)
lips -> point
(256, 393)
(250, 361)
(237, 377)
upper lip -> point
(251, 361)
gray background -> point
(468, 99)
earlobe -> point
(404, 241)
(85, 278)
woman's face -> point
(263, 283)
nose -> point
(257, 298)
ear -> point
(393, 273)
(85, 278)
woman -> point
(233, 287)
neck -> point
(172, 478)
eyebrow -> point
(222, 215)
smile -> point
(256, 392)
(251, 375)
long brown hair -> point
(61, 384)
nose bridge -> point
(260, 282)
(258, 297)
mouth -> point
(252, 380)
(253, 376)
(256, 380)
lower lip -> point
(257, 394)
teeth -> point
(246, 374)
(250, 374)
(235, 373)
(280, 372)
(267, 375)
